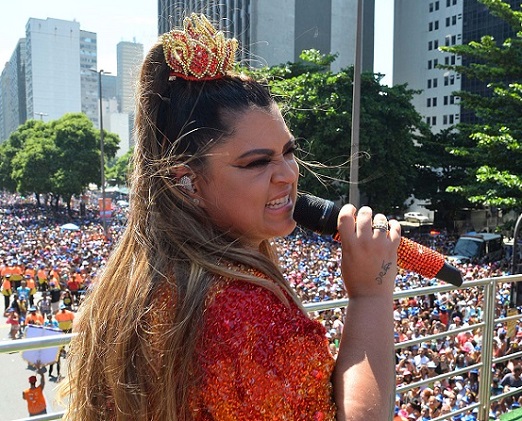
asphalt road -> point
(14, 374)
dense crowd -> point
(49, 266)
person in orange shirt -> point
(32, 288)
(42, 278)
(29, 270)
(6, 291)
(36, 404)
(65, 319)
(34, 317)
(16, 275)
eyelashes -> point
(262, 162)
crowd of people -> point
(46, 270)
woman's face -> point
(250, 184)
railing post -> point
(487, 349)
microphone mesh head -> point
(316, 214)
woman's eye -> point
(258, 163)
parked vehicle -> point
(416, 217)
(478, 247)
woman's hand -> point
(369, 261)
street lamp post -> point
(102, 152)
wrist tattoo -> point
(384, 270)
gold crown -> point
(199, 51)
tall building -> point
(88, 76)
(12, 92)
(272, 32)
(52, 68)
(51, 73)
(129, 59)
(420, 28)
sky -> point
(117, 20)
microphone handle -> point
(321, 215)
(420, 259)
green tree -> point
(119, 170)
(492, 146)
(317, 106)
(78, 155)
(33, 166)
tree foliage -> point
(60, 158)
(493, 146)
(317, 106)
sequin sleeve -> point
(261, 360)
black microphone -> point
(321, 215)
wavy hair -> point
(122, 367)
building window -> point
(436, 25)
(454, 20)
(434, 120)
(431, 7)
(453, 60)
(428, 102)
(428, 120)
(430, 45)
(446, 80)
(447, 22)
(445, 100)
(429, 64)
(434, 101)
(436, 5)
(429, 83)
(430, 26)
(435, 44)
(435, 83)
(444, 119)
(452, 80)
(451, 121)
(454, 2)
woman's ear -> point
(183, 177)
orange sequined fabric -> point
(261, 360)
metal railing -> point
(484, 398)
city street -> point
(14, 381)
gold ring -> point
(381, 226)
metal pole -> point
(102, 158)
(514, 299)
(354, 196)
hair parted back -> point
(118, 369)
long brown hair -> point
(121, 366)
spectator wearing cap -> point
(65, 319)
(31, 284)
(23, 291)
(14, 321)
(34, 317)
(36, 404)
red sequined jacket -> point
(261, 360)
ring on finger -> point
(381, 226)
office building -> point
(272, 32)
(129, 59)
(420, 28)
(52, 68)
(12, 92)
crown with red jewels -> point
(199, 51)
